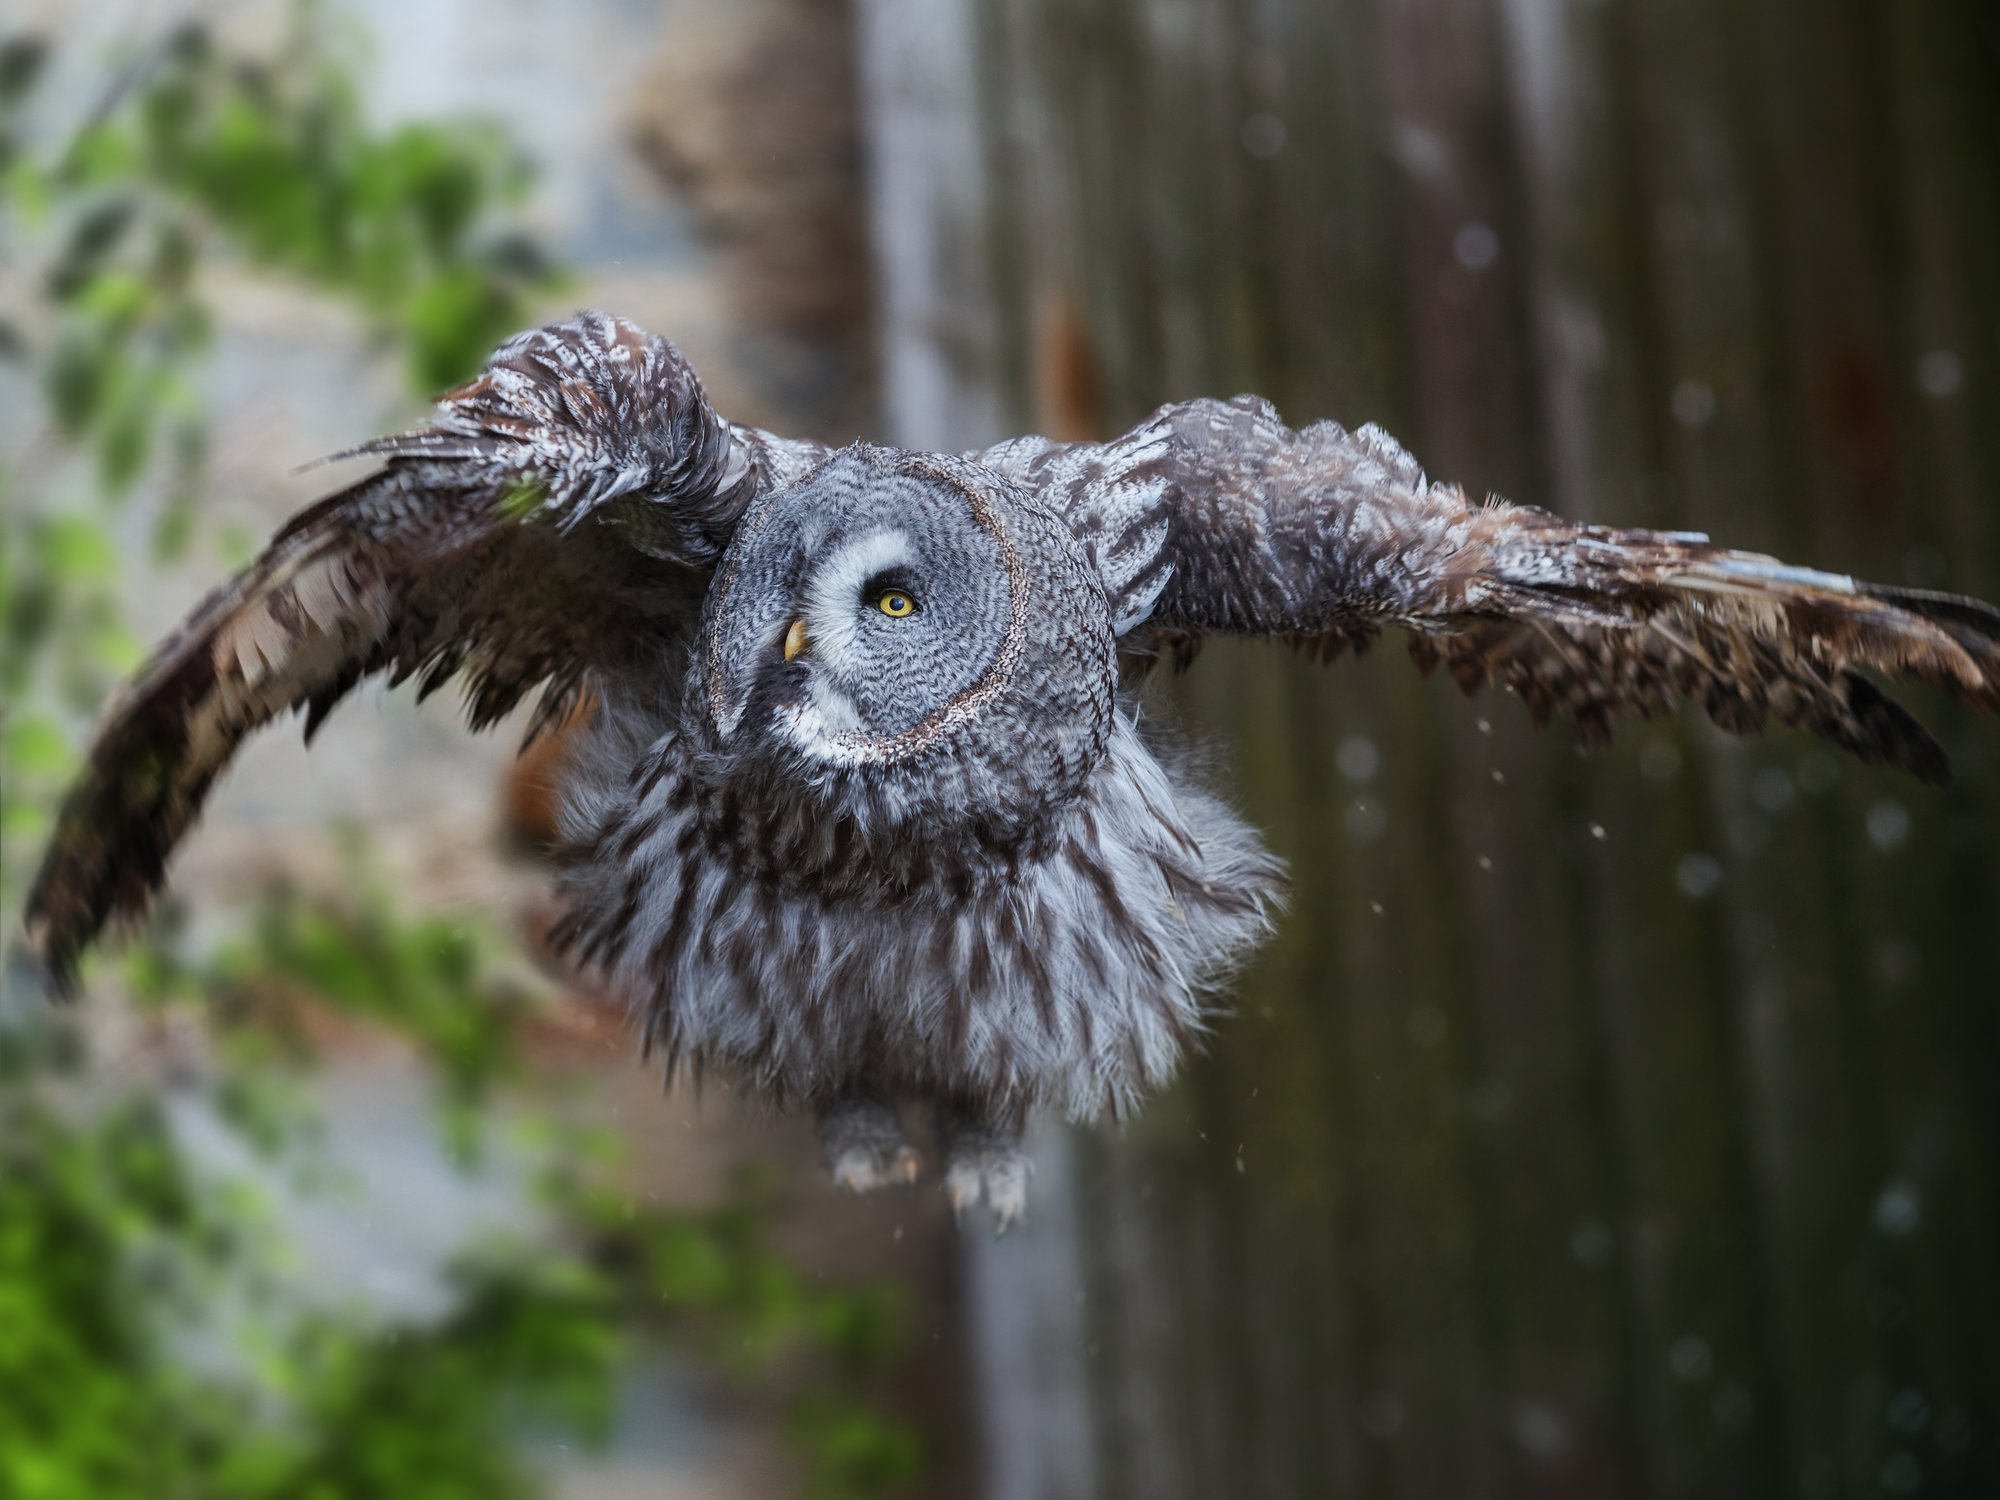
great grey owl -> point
(862, 814)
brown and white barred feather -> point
(1213, 517)
(467, 555)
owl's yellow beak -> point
(795, 639)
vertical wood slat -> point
(928, 207)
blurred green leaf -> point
(452, 321)
(75, 382)
(36, 747)
(115, 299)
(102, 154)
(27, 193)
(24, 822)
(94, 236)
(125, 436)
(76, 549)
(22, 59)
(118, 650)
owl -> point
(861, 813)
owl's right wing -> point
(1214, 517)
(560, 516)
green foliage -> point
(273, 161)
(119, 1263)
(197, 160)
(157, 1335)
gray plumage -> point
(862, 813)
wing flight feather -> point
(558, 517)
(1324, 537)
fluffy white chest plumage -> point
(806, 958)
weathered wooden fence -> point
(1624, 1126)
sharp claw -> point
(998, 1179)
(1009, 1197)
(858, 1172)
(865, 1149)
(961, 1189)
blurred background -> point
(1620, 1126)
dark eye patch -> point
(889, 579)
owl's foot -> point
(1000, 1176)
(864, 1146)
(984, 1160)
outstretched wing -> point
(559, 517)
(1214, 517)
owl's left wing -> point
(1213, 517)
(555, 524)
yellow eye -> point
(896, 604)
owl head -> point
(904, 638)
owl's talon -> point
(865, 1149)
(862, 1169)
(1007, 1190)
(999, 1178)
(961, 1187)
(983, 1163)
